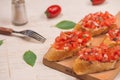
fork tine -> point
(37, 36)
(33, 34)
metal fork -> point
(29, 33)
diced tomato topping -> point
(100, 53)
(71, 40)
(114, 34)
(98, 20)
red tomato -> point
(96, 2)
(53, 11)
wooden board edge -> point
(66, 70)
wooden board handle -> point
(6, 31)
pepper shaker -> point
(19, 16)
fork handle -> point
(6, 31)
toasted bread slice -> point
(96, 23)
(82, 67)
(94, 32)
(96, 59)
(67, 45)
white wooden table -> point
(12, 65)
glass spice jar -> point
(19, 16)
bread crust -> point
(81, 67)
(58, 55)
(94, 32)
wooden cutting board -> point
(65, 66)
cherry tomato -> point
(53, 11)
(97, 2)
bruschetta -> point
(97, 23)
(96, 59)
(67, 44)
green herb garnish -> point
(1, 42)
(29, 57)
(65, 24)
